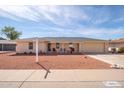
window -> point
(57, 45)
(9, 47)
(31, 45)
(49, 46)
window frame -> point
(57, 45)
(30, 45)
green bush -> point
(121, 50)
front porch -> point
(62, 48)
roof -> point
(121, 40)
(7, 42)
(60, 39)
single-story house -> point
(116, 44)
(62, 45)
(7, 45)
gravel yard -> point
(13, 61)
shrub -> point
(30, 53)
(40, 52)
(25, 52)
(121, 50)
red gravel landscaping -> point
(10, 61)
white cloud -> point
(17, 12)
(60, 15)
(100, 15)
(5, 14)
(120, 19)
(69, 18)
(99, 32)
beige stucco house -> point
(62, 45)
(116, 44)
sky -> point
(102, 22)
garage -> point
(94, 47)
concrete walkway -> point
(62, 78)
(110, 58)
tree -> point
(11, 33)
(121, 50)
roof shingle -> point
(59, 39)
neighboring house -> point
(2, 38)
(7, 45)
(62, 45)
(116, 44)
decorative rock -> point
(116, 66)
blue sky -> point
(103, 22)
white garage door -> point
(94, 47)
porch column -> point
(2, 47)
(37, 60)
(80, 47)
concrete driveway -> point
(110, 58)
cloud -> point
(99, 14)
(59, 15)
(93, 32)
(99, 32)
(120, 19)
(66, 20)
(62, 15)
(17, 12)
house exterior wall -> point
(116, 45)
(42, 47)
(93, 47)
(24, 47)
(87, 46)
